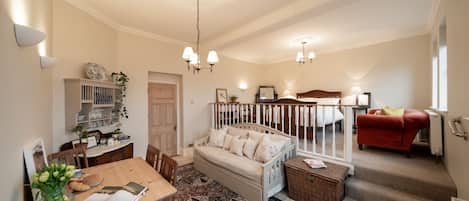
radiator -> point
(436, 133)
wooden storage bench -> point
(307, 184)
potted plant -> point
(51, 182)
(233, 99)
(82, 132)
(121, 80)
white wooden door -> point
(162, 115)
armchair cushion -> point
(380, 121)
(399, 112)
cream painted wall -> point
(456, 149)
(137, 56)
(396, 73)
(26, 102)
(78, 39)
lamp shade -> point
(300, 57)
(194, 59)
(212, 57)
(186, 55)
(363, 99)
(27, 36)
(311, 55)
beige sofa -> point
(251, 179)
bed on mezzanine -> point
(322, 111)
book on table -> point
(129, 192)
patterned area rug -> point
(192, 185)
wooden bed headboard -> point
(319, 94)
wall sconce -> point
(27, 36)
(243, 86)
(47, 62)
(356, 90)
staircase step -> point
(365, 191)
(406, 183)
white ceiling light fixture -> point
(27, 36)
(193, 58)
(300, 56)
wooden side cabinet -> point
(122, 153)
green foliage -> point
(121, 80)
(81, 131)
(233, 98)
(51, 181)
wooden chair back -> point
(75, 156)
(168, 169)
(153, 156)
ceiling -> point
(267, 31)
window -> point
(440, 71)
(435, 76)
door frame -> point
(178, 110)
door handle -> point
(456, 128)
(175, 127)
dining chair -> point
(153, 156)
(168, 169)
(75, 156)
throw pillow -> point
(263, 153)
(227, 143)
(269, 147)
(256, 136)
(217, 137)
(237, 145)
(237, 132)
(393, 111)
(250, 148)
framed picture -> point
(222, 95)
(35, 158)
(92, 142)
(266, 94)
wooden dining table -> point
(136, 170)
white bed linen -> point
(325, 115)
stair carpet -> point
(373, 185)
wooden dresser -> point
(107, 154)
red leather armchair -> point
(390, 132)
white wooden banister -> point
(306, 122)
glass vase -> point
(57, 195)
(53, 196)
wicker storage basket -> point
(305, 183)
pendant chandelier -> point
(192, 58)
(300, 56)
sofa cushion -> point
(250, 147)
(242, 133)
(217, 137)
(398, 112)
(227, 143)
(237, 145)
(240, 165)
(281, 140)
(256, 136)
(269, 147)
